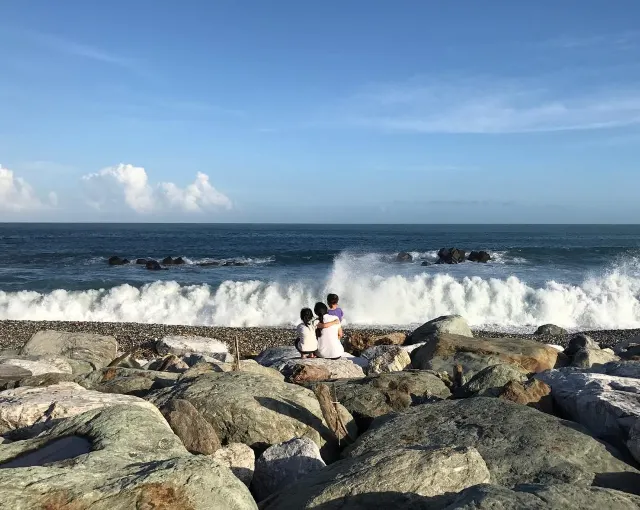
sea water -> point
(576, 276)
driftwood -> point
(236, 363)
(458, 376)
(329, 407)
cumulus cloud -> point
(112, 186)
(17, 195)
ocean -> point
(576, 276)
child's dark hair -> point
(332, 299)
(306, 316)
(320, 310)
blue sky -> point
(289, 111)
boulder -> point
(168, 363)
(26, 406)
(117, 458)
(39, 365)
(358, 341)
(450, 256)
(479, 256)
(36, 380)
(533, 393)
(408, 469)
(386, 358)
(403, 256)
(445, 351)
(452, 324)
(490, 381)
(537, 497)
(197, 435)
(300, 374)
(518, 443)
(127, 381)
(277, 356)
(187, 345)
(178, 261)
(256, 410)
(587, 358)
(167, 261)
(608, 406)
(621, 347)
(579, 342)
(619, 369)
(283, 464)
(246, 365)
(11, 373)
(378, 395)
(117, 261)
(141, 262)
(550, 330)
(239, 458)
(153, 265)
(338, 368)
(95, 349)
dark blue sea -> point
(577, 276)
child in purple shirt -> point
(332, 301)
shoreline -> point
(252, 340)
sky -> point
(365, 111)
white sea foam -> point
(370, 293)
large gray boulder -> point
(378, 395)
(127, 381)
(95, 349)
(451, 324)
(283, 464)
(246, 365)
(589, 358)
(619, 369)
(579, 342)
(342, 368)
(408, 469)
(550, 330)
(518, 443)
(39, 365)
(442, 352)
(27, 406)
(386, 358)
(608, 406)
(256, 410)
(197, 435)
(537, 497)
(277, 356)
(118, 458)
(189, 345)
(240, 459)
(490, 381)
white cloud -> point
(114, 186)
(490, 106)
(17, 195)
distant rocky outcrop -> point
(153, 265)
(117, 261)
(479, 256)
(169, 261)
(403, 256)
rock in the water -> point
(358, 342)
(450, 256)
(403, 256)
(378, 395)
(283, 464)
(479, 256)
(27, 406)
(550, 330)
(254, 409)
(587, 358)
(186, 345)
(240, 459)
(490, 381)
(153, 265)
(95, 349)
(141, 262)
(39, 365)
(117, 261)
(537, 497)
(197, 435)
(533, 393)
(518, 443)
(407, 468)
(444, 351)
(386, 358)
(453, 324)
(338, 369)
(579, 342)
(110, 459)
(608, 406)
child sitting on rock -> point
(307, 342)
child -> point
(329, 333)
(307, 342)
(332, 301)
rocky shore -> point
(119, 416)
(252, 340)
